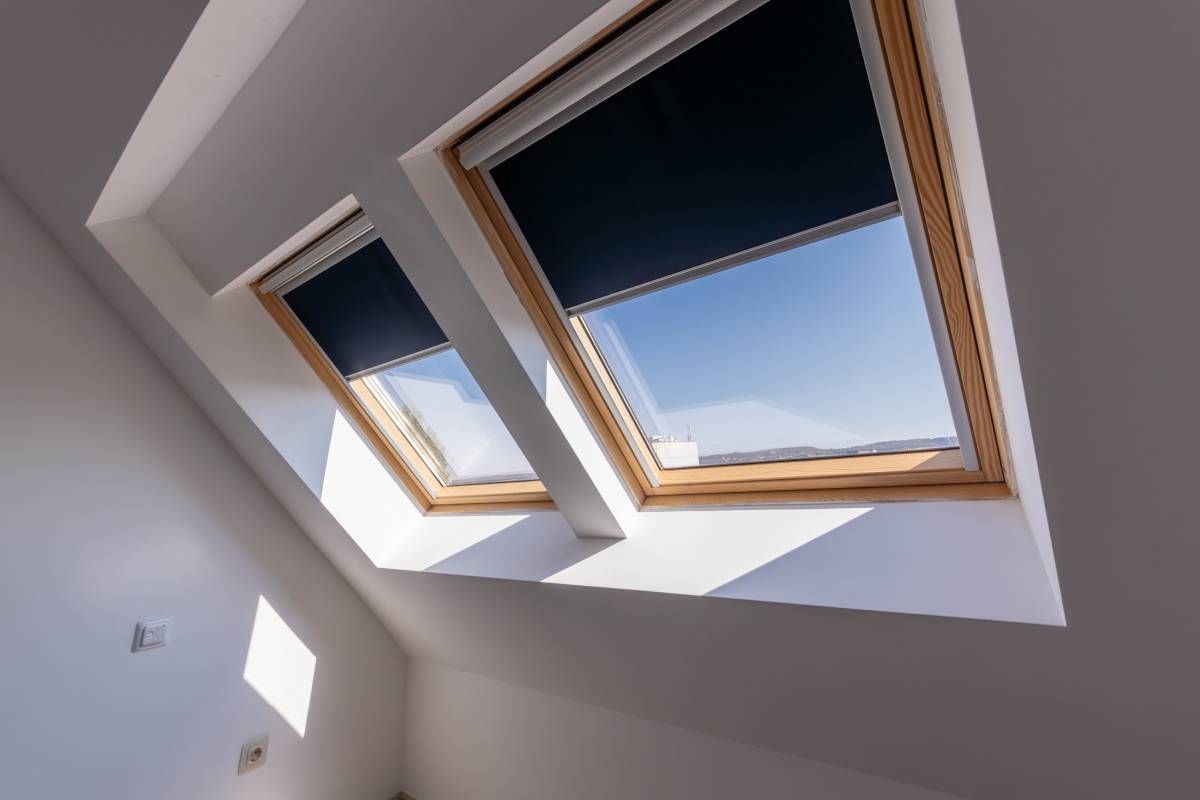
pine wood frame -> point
(926, 475)
(384, 436)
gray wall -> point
(119, 501)
(470, 737)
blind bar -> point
(343, 241)
(396, 362)
(791, 242)
(656, 40)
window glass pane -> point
(439, 405)
(820, 351)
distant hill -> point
(801, 453)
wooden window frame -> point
(365, 411)
(897, 476)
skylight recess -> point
(729, 245)
(351, 310)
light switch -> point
(150, 634)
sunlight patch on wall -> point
(280, 667)
(362, 495)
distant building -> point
(672, 453)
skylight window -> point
(733, 225)
(350, 309)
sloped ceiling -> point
(1088, 133)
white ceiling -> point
(1088, 129)
(350, 85)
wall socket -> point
(254, 754)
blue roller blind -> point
(363, 312)
(765, 129)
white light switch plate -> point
(150, 634)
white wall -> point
(473, 737)
(119, 501)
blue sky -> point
(825, 343)
(446, 365)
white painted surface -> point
(355, 81)
(270, 383)
(119, 502)
(944, 41)
(229, 41)
(474, 258)
(468, 736)
(280, 666)
(411, 233)
(1090, 167)
(671, 453)
(972, 559)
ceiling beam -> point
(487, 326)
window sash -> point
(359, 404)
(908, 201)
(926, 199)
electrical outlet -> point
(150, 634)
(254, 754)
